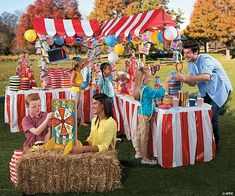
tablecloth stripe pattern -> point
(180, 136)
(15, 109)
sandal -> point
(138, 156)
(149, 162)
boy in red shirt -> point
(36, 124)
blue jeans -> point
(215, 115)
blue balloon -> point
(159, 36)
(59, 40)
(110, 40)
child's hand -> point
(165, 84)
(50, 115)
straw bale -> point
(52, 172)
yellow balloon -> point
(118, 49)
(30, 35)
(154, 38)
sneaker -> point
(149, 162)
(118, 140)
(84, 124)
(137, 156)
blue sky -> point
(85, 6)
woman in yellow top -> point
(103, 127)
(76, 81)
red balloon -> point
(69, 40)
(165, 40)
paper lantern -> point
(110, 40)
(112, 57)
(59, 40)
(118, 49)
(69, 40)
(159, 36)
(170, 33)
(30, 35)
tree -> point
(213, 20)
(107, 9)
(8, 23)
(134, 7)
(202, 26)
(64, 9)
(225, 24)
(110, 9)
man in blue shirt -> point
(212, 81)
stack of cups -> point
(13, 170)
(15, 83)
(200, 101)
(25, 84)
(175, 102)
(192, 102)
(157, 84)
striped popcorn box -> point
(12, 165)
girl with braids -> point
(145, 95)
(105, 83)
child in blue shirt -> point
(105, 82)
(145, 94)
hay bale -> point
(52, 172)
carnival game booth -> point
(180, 136)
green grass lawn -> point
(216, 177)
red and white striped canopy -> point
(66, 27)
(137, 24)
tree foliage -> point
(64, 9)
(213, 20)
(225, 23)
(109, 9)
(200, 28)
(8, 23)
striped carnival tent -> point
(123, 26)
(137, 24)
(66, 27)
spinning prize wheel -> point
(63, 125)
(63, 122)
